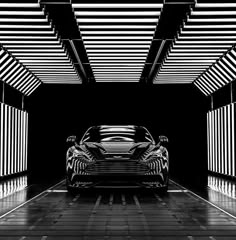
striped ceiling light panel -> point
(15, 74)
(206, 35)
(219, 74)
(27, 33)
(117, 38)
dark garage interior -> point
(169, 66)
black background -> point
(177, 111)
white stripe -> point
(57, 191)
(175, 191)
(233, 141)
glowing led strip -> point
(14, 73)
(36, 33)
(1, 138)
(97, 38)
(116, 13)
(183, 47)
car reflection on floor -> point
(115, 214)
(222, 193)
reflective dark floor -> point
(53, 213)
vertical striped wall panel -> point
(13, 140)
(221, 140)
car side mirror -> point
(163, 140)
(71, 139)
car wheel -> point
(71, 190)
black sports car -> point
(117, 155)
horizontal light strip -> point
(116, 32)
(205, 42)
(133, 67)
(114, 72)
(111, 80)
(116, 5)
(28, 37)
(117, 64)
(115, 76)
(62, 77)
(34, 46)
(187, 67)
(212, 20)
(42, 64)
(190, 57)
(26, 32)
(22, 13)
(43, 58)
(208, 32)
(57, 54)
(209, 13)
(117, 50)
(119, 77)
(117, 26)
(20, 5)
(117, 20)
(187, 64)
(176, 78)
(117, 54)
(28, 26)
(207, 37)
(117, 46)
(16, 20)
(27, 42)
(124, 58)
(178, 74)
(210, 45)
(171, 82)
(199, 50)
(46, 61)
(56, 74)
(117, 42)
(119, 74)
(55, 81)
(173, 78)
(117, 37)
(38, 51)
(194, 54)
(57, 71)
(190, 72)
(117, 13)
(210, 26)
(190, 61)
(215, 5)
(50, 67)
(118, 61)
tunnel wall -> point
(221, 140)
(13, 140)
(221, 131)
(177, 111)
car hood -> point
(117, 149)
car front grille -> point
(117, 167)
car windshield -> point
(117, 134)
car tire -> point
(71, 190)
